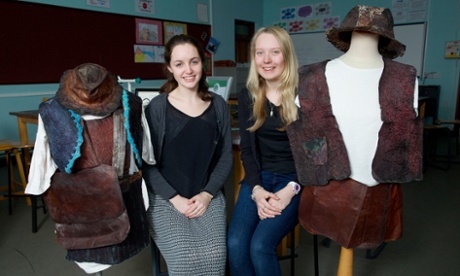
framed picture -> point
(171, 29)
(149, 32)
(147, 94)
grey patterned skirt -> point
(190, 246)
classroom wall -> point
(442, 20)
(443, 24)
(222, 14)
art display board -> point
(40, 42)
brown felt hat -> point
(89, 89)
(367, 19)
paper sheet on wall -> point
(408, 10)
(98, 3)
(145, 6)
(202, 12)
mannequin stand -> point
(345, 262)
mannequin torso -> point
(355, 102)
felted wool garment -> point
(354, 214)
(317, 144)
(70, 152)
(64, 130)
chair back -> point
(430, 96)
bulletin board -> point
(314, 47)
(39, 42)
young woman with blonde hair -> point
(267, 206)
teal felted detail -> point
(128, 129)
(77, 153)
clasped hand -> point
(193, 207)
(270, 204)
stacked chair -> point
(16, 188)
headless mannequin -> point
(363, 54)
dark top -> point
(251, 148)
(220, 164)
(187, 141)
(273, 144)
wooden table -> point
(24, 118)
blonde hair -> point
(288, 84)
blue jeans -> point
(252, 242)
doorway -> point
(244, 30)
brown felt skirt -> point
(352, 214)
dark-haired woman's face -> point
(186, 66)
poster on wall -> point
(148, 53)
(143, 53)
(452, 49)
(202, 12)
(307, 18)
(149, 31)
(144, 6)
(212, 45)
(98, 3)
(171, 29)
(408, 10)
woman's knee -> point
(260, 248)
(234, 243)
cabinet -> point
(239, 75)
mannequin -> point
(362, 54)
(90, 105)
(352, 173)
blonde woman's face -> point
(268, 57)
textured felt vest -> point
(317, 144)
(65, 131)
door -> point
(244, 30)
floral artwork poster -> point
(149, 32)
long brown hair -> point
(171, 83)
(288, 84)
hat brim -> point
(340, 38)
(102, 101)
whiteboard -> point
(314, 47)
